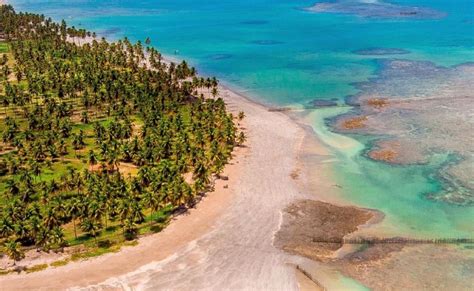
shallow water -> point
(281, 54)
(398, 191)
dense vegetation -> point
(98, 137)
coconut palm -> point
(151, 200)
(92, 159)
(74, 210)
(7, 227)
(92, 227)
(14, 251)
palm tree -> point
(62, 148)
(201, 172)
(215, 92)
(84, 117)
(151, 200)
(130, 229)
(77, 143)
(35, 168)
(12, 165)
(51, 219)
(241, 115)
(92, 159)
(113, 160)
(92, 227)
(241, 138)
(56, 238)
(136, 213)
(6, 227)
(14, 251)
(12, 187)
(74, 210)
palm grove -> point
(98, 134)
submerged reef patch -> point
(376, 9)
(381, 51)
(110, 32)
(219, 56)
(323, 103)
(425, 110)
(254, 22)
(374, 265)
(266, 42)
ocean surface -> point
(291, 53)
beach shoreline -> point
(235, 238)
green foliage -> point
(13, 250)
(59, 263)
(36, 268)
(96, 143)
(3, 47)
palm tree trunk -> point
(151, 219)
(74, 223)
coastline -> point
(231, 249)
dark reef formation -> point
(266, 42)
(381, 51)
(323, 103)
(422, 111)
(376, 9)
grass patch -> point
(36, 268)
(130, 243)
(5, 272)
(95, 252)
(59, 263)
(98, 251)
(4, 47)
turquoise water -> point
(281, 54)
